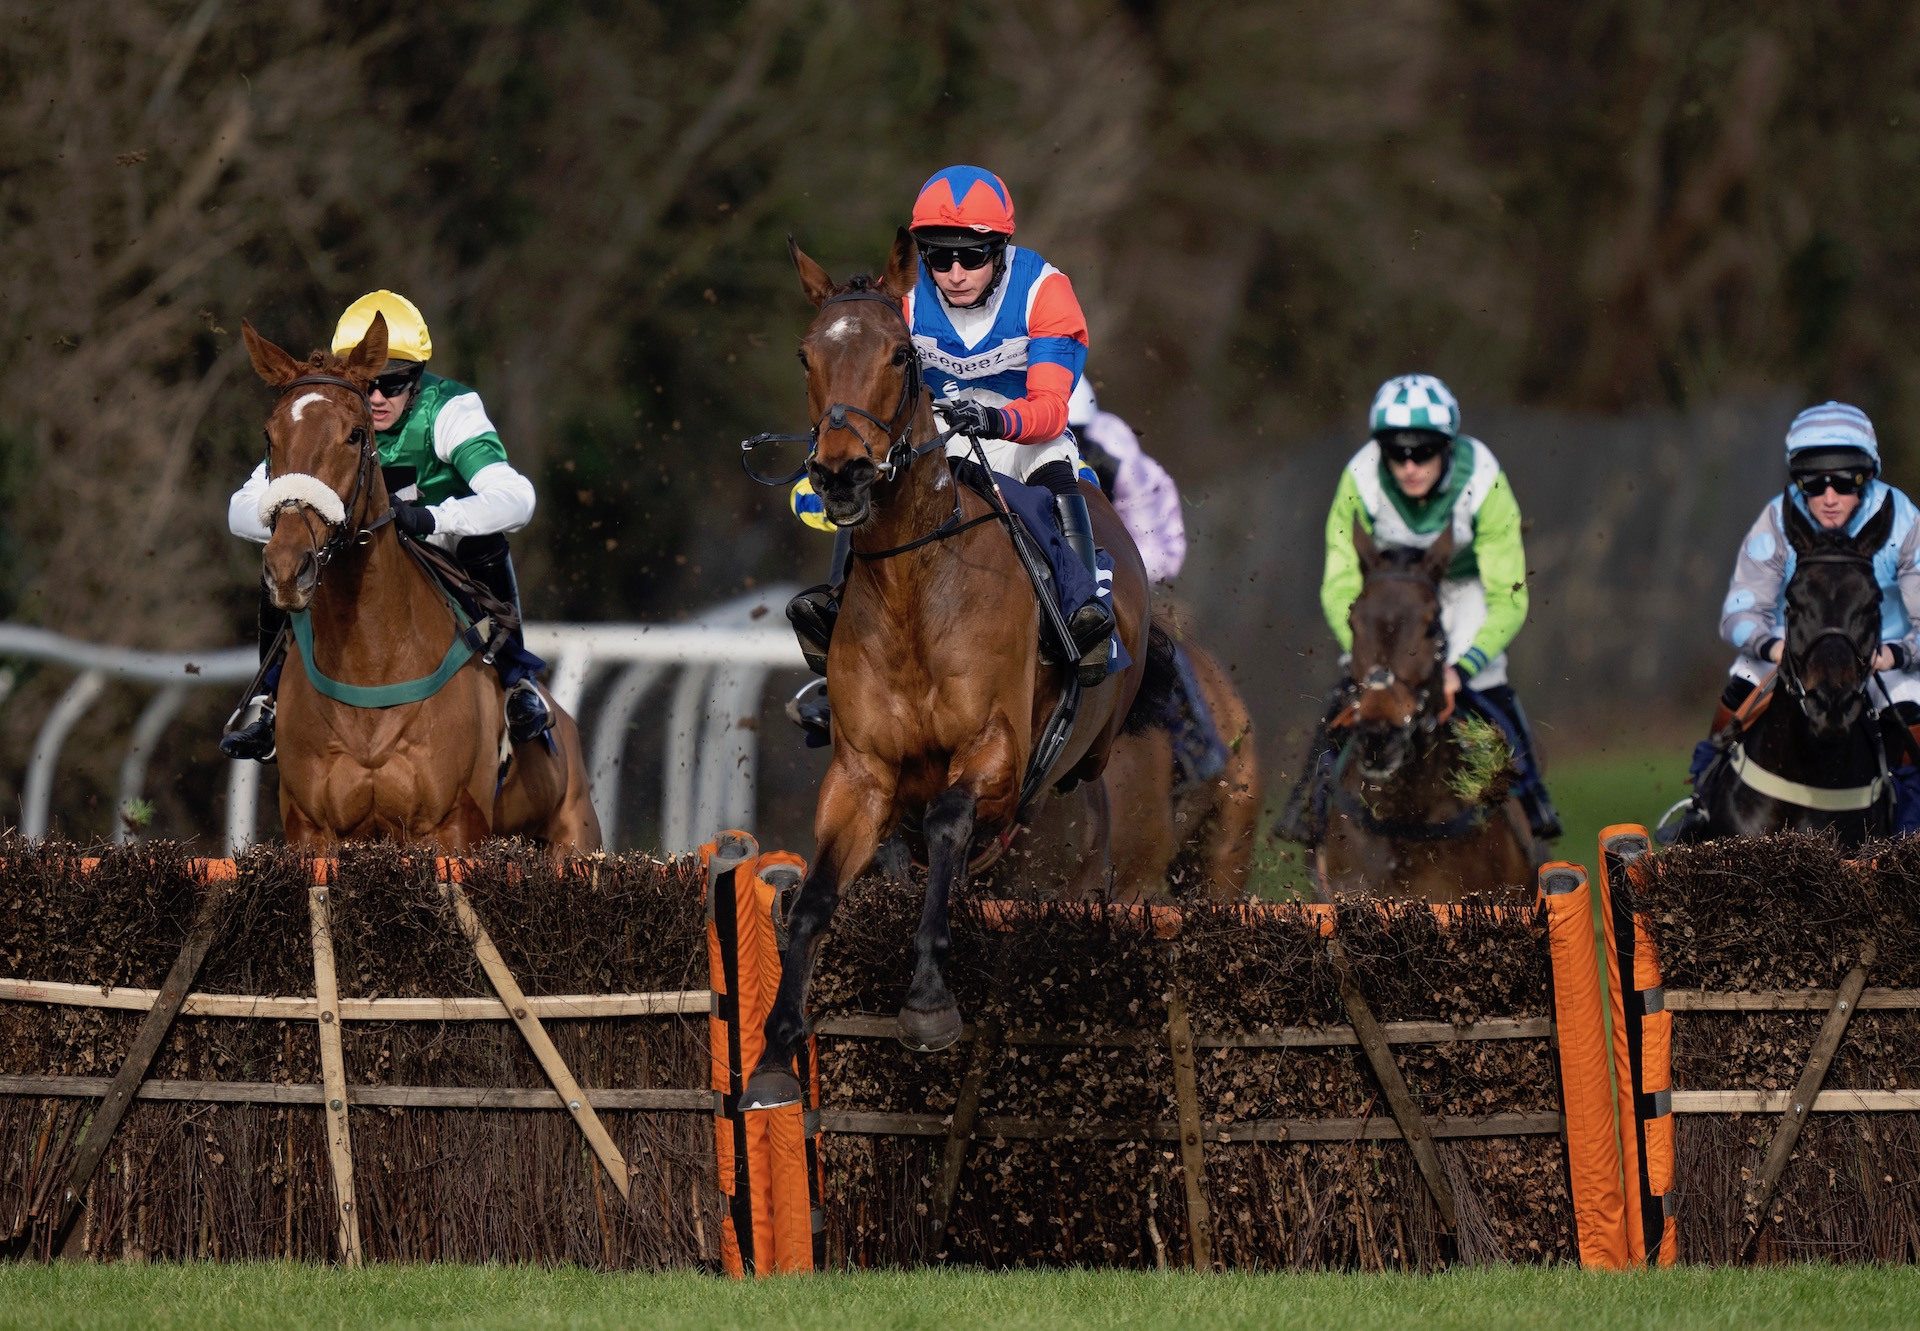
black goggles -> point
(939, 258)
(1425, 451)
(394, 384)
(1815, 484)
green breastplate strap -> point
(468, 640)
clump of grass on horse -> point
(395, 727)
(949, 723)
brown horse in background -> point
(1396, 828)
(935, 677)
(1164, 843)
(425, 772)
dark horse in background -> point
(1396, 827)
(935, 676)
(1806, 752)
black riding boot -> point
(814, 611)
(1304, 817)
(813, 614)
(1092, 624)
(1543, 820)
(253, 737)
(528, 717)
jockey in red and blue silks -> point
(1002, 341)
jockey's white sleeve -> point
(243, 509)
(502, 501)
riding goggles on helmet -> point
(939, 258)
(1421, 451)
(394, 384)
(1815, 484)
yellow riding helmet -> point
(407, 335)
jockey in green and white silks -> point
(1415, 477)
(450, 484)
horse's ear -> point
(1875, 533)
(903, 266)
(1364, 547)
(813, 278)
(269, 362)
(370, 357)
(1802, 535)
(1440, 554)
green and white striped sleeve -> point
(1503, 573)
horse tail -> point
(1160, 680)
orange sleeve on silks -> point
(1586, 1084)
(1619, 1045)
(1056, 354)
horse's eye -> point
(902, 354)
(802, 354)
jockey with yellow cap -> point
(451, 485)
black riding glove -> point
(977, 419)
(416, 520)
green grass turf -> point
(207, 1298)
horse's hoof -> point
(769, 1088)
(930, 1032)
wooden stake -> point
(537, 1038)
(120, 1091)
(333, 1066)
(1193, 1167)
(966, 1109)
(1373, 1043)
(1825, 1046)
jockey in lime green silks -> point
(1416, 477)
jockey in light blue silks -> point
(1833, 460)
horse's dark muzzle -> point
(1382, 751)
(846, 491)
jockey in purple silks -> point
(1148, 502)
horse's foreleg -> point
(983, 789)
(930, 1019)
(855, 800)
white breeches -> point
(1901, 685)
(1018, 460)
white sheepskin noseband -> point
(301, 490)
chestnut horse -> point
(1396, 828)
(424, 772)
(935, 675)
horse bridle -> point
(901, 451)
(348, 530)
(1863, 662)
(1425, 717)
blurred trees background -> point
(1607, 207)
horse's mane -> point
(325, 362)
(861, 282)
(1401, 557)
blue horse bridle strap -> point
(468, 640)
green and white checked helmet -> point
(1414, 402)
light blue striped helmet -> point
(1829, 427)
(1414, 402)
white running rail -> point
(718, 663)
